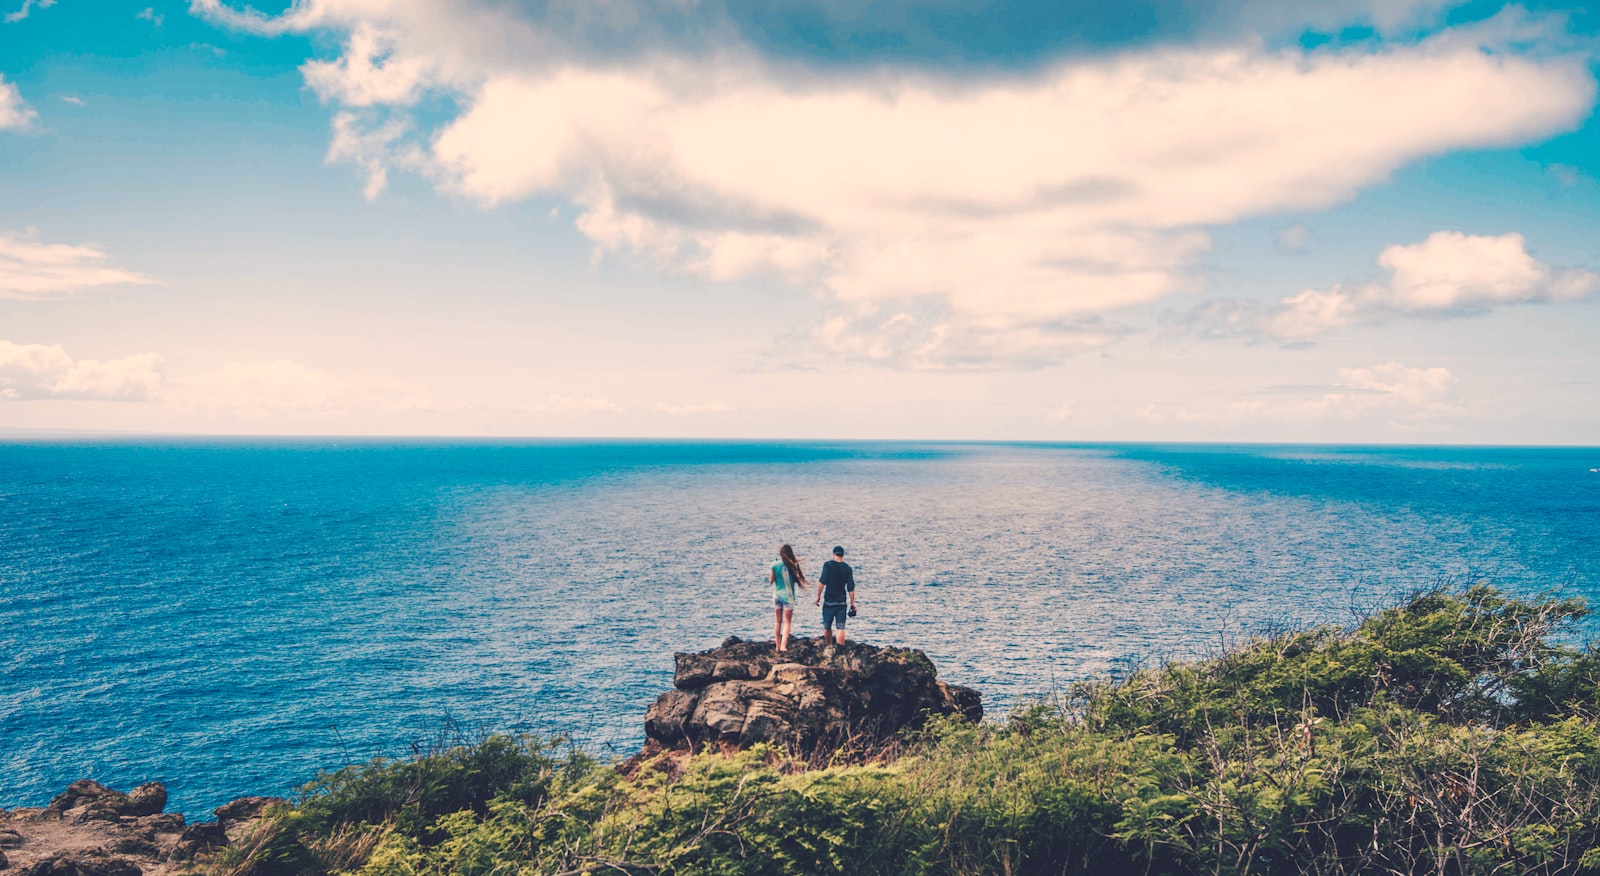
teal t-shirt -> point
(782, 583)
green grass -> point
(1453, 734)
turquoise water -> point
(228, 617)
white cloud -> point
(359, 140)
(1005, 202)
(692, 410)
(14, 111)
(1392, 391)
(1448, 274)
(27, 7)
(72, 99)
(368, 73)
(922, 335)
(37, 371)
(151, 15)
(30, 270)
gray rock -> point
(147, 799)
(166, 822)
(810, 699)
(10, 839)
(242, 811)
(80, 863)
(670, 714)
(86, 792)
(97, 811)
(198, 839)
(132, 845)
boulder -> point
(198, 839)
(147, 799)
(83, 863)
(811, 699)
(243, 810)
(88, 800)
(86, 793)
(92, 830)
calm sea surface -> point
(228, 617)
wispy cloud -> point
(32, 270)
(151, 15)
(27, 8)
(14, 111)
(38, 371)
(72, 99)
(1450, 274)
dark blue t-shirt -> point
(837, 579)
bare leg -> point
(839, 634)
(785, 622)
(777, 629)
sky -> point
(1370, 221)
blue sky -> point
(1375, 221)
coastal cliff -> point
(811, 700)
(1457, 732)
(92, 830)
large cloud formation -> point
(1449, 274)
(976, 210)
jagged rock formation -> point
(92, 830)
(810, 699)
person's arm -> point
(821, 584)
(850, 588)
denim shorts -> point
(833, 616)
(782, 603)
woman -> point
(785, 576)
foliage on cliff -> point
(1453, 734)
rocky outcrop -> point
(810, 699)
(92, 830)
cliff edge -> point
(811, 699)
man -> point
(837, 596)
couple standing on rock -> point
(836, 593)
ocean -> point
(231, 616)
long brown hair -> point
(786, 554)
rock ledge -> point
(92, 830)
(810, 699)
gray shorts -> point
(834, 615)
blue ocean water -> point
(231, 616)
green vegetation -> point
(1454, 734)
